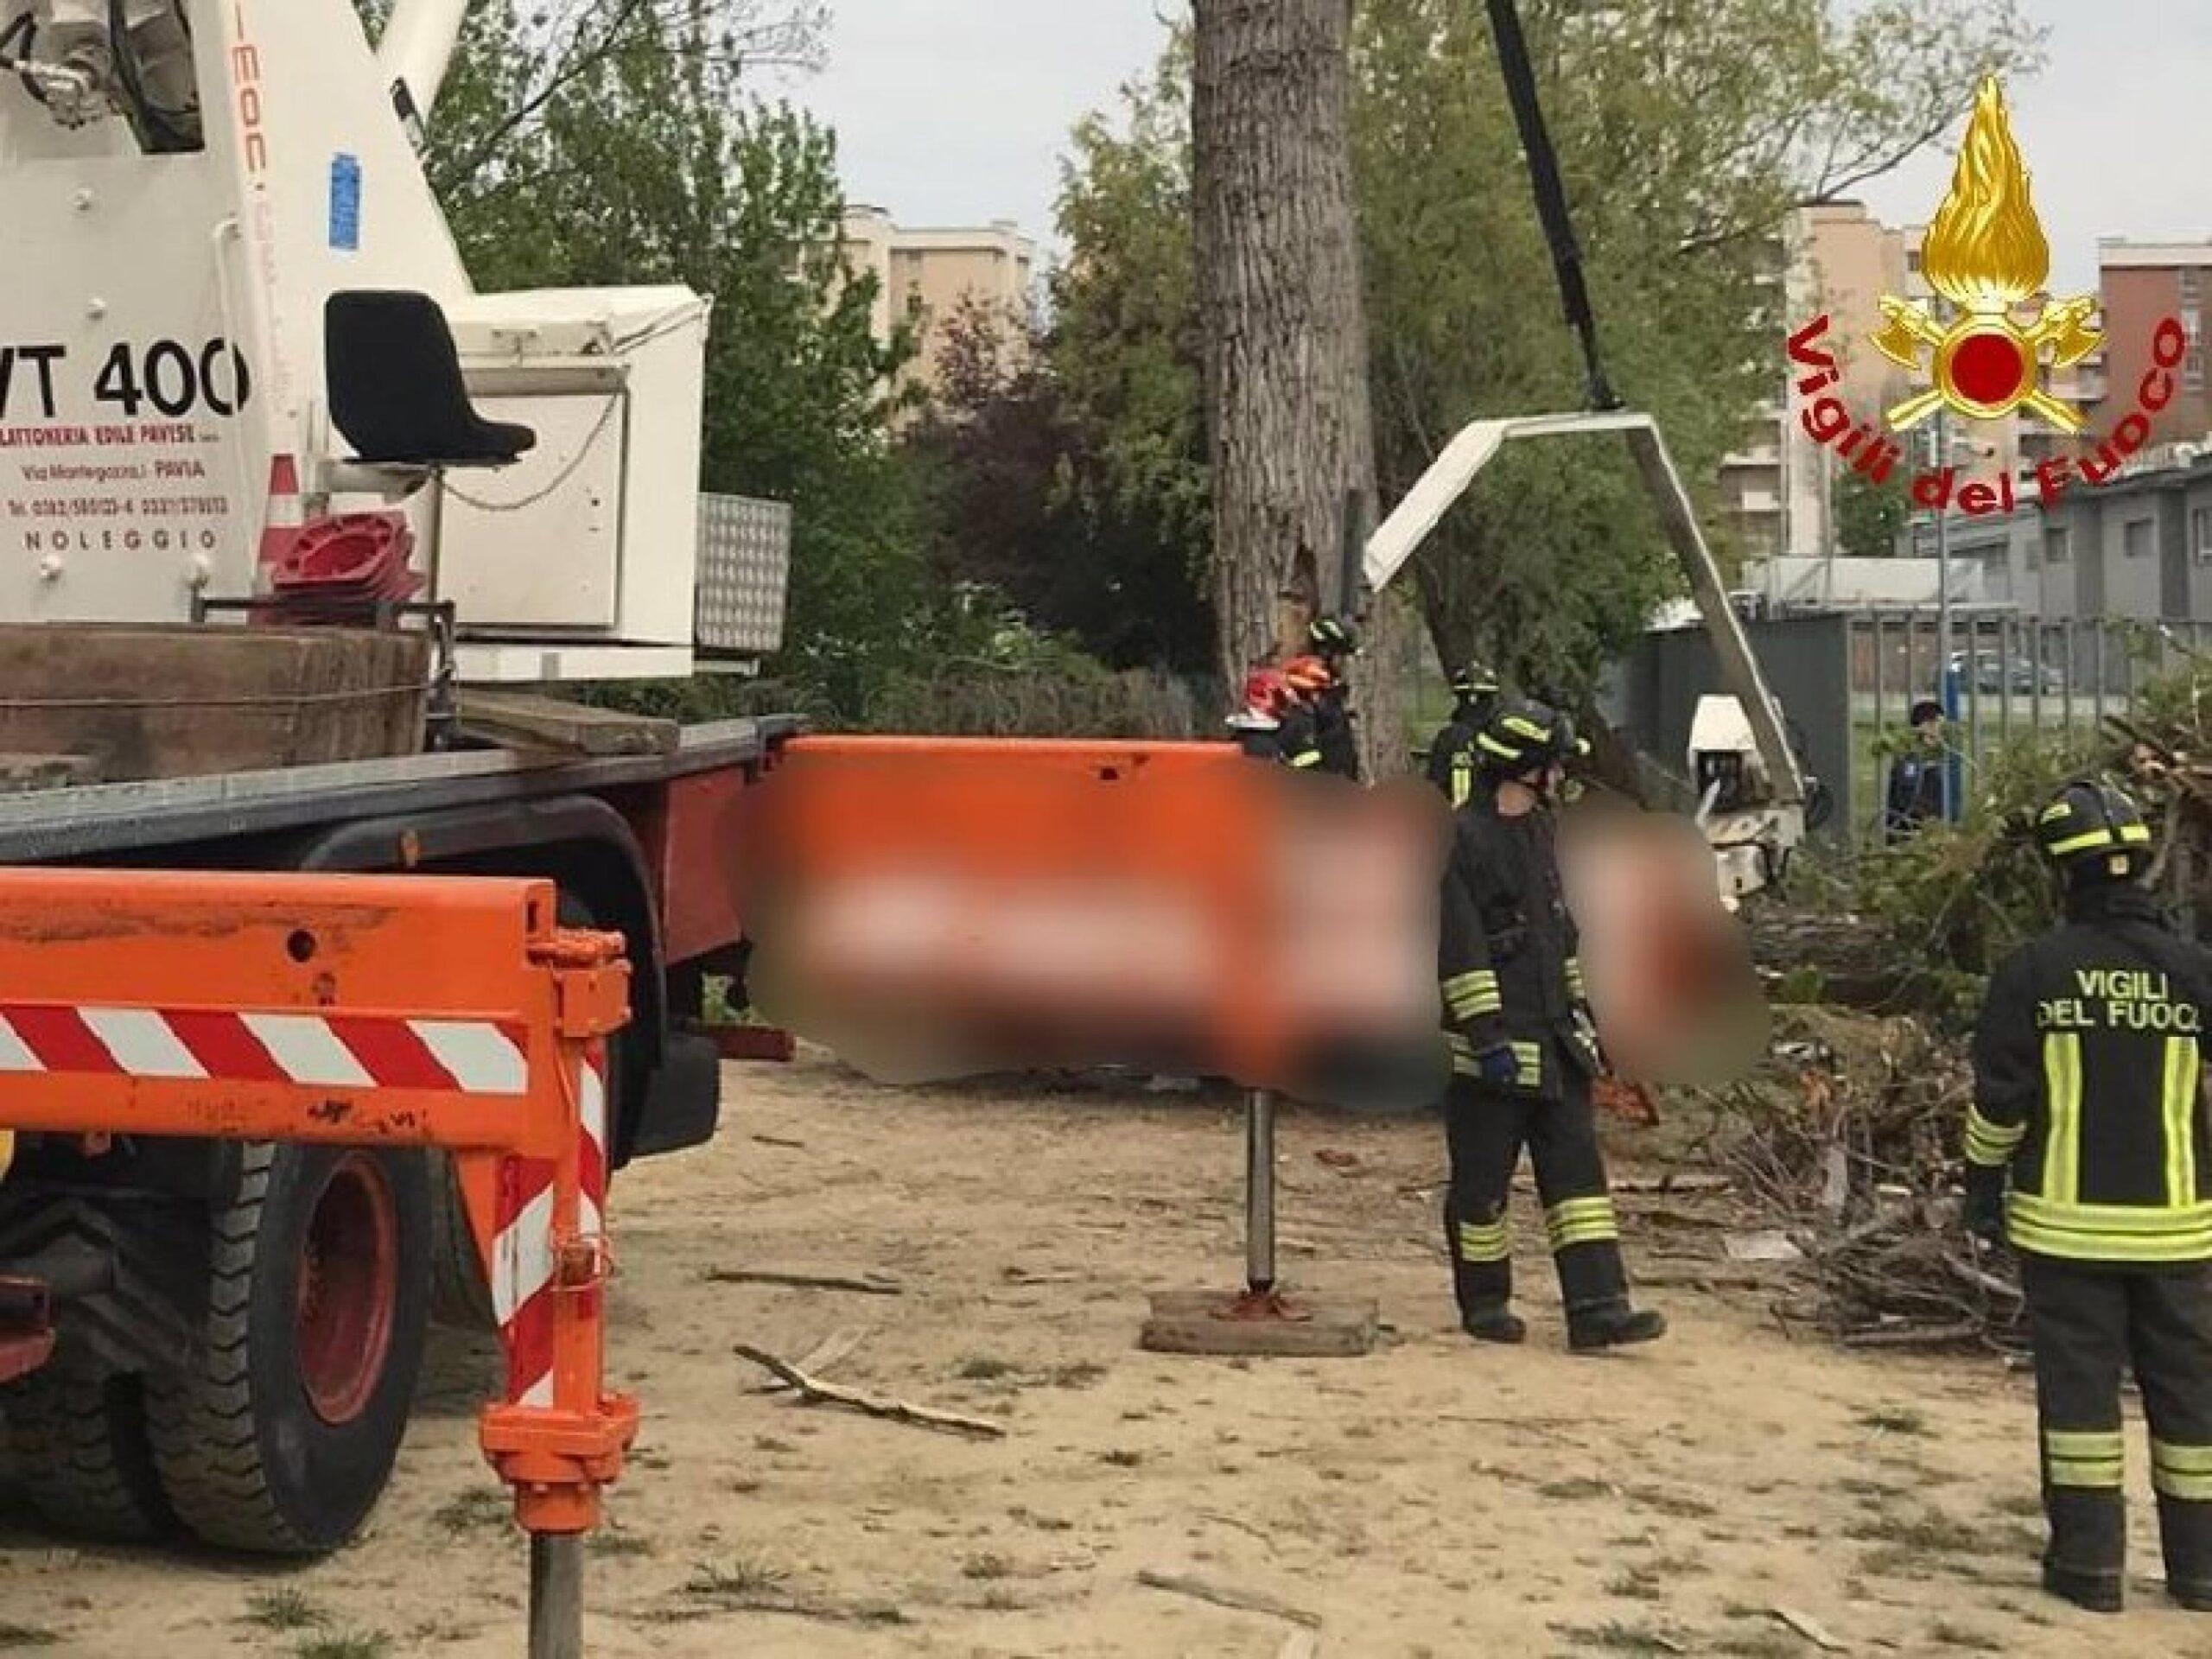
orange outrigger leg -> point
(365, 1011)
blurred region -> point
(1671, 980)
(941, 908)
(934, 909)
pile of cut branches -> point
(1846, 1139)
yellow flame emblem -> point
(1987, 255)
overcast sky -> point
(957, 112)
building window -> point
(914, 306)
(2057, 545)
(2200, 535)
(2192, 372)
(2137, 540)
(2192, 284)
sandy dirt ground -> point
(1433, 1499)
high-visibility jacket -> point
(1452, 756)
(1508, 966)
(2086, 1073)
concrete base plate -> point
(1288, 1325)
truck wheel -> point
(282, 1436)
(79, 1439)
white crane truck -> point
(241, 362)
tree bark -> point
(1291, 430)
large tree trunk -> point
(1290, 427)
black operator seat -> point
(396, 393)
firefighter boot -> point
(1615, 1326)
(1500, 1324)
(2093, 1592)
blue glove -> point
(1498, 1065)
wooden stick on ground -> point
(815, 1392)
(1223, 1595)
(820, 1357)
(868, 1283)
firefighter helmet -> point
(1471, 680)
(1523, 736)
(1331, 636)
(2094, 830)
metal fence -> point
(1847, 682)
(2010, 677)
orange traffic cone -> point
(280, 528)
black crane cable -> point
(1551, 196)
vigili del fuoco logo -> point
(1985, 254)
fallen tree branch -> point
(865, 1284)
(820, 1357)
(1807, 1626)
(1223, 1595)
(1914, 1336)
(813, 1391)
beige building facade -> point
(925, 276)
(1838, 259)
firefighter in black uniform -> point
(1452, 756)
(2086, 1090)
(1524, 1050)
(1333, 641)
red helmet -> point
(1308, 676)
(1267, 692)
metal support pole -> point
(556, 1595)
(1260, 1191)
(1944, 692)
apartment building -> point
(925, 277)
(1837, 258)
(2143, 283)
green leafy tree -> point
(1027, 502)
(1124, 347)
(1870, 517)
(622, 145)
(1686, 135)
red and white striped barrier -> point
(465, 1057)
(525, 1261)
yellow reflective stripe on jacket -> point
(2182, 1065)
(1989, 1143)
(1463, 777)
(2106, 1232)
(1478, 1242)
(1470, 995)
(2061, 1162)
(2081, 843)
(1530, 1058)
(1576, 987)
(1306, 757)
